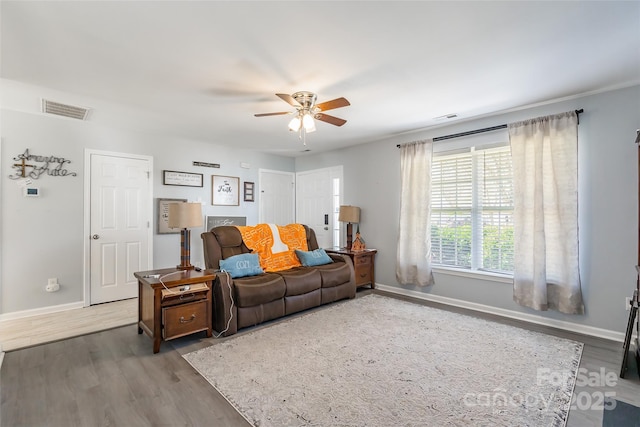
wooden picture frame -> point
(185, 179)
(249, 191)
(163, 216)
(225, 190)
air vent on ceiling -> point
(446, 117)
(65, 110)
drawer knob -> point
(183, 320)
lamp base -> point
(349, 236)
(185, 251)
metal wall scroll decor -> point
(34, 166)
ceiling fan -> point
(307, 110)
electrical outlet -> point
(627, 303)
(52, 285)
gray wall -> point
(608, 205)
(44, 237)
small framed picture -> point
(163, 216)
(225, 191)
(248, 191)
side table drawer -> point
(184, 319)
(174, 296)
(363, 274)
(364, 261)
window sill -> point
(481, 275)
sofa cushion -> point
(229, 241)
(313, 258)
(301, 280)
(241, 265)
(255, 290)
(334, 274)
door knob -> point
(95, 237)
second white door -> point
(120, 225)
(317, 203)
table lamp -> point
(349, 214)
(185, 216)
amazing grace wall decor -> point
(49, 165)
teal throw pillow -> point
(241, 265)
(311, 258)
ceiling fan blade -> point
(334, 103)
(272, 114)
(288, 99)
(330, 119)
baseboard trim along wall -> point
(559, 324)
(38, 311)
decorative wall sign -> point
(216, 221)
(39, 165)
(186, 179)
(206, 165)
(248, 191)
(163, 216)
(224, 190)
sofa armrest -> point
(225, 311)
(349, 261)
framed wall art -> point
(248, 191)
(225, 191)
(216, 221)
(186, 179)
(163, 216)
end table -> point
(178, 305)
(363, 263)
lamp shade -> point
(185, 215)
(349, 214)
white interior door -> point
(120, 225)
(318, 195)
(277, 197)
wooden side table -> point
(363, 263)
(182, 306)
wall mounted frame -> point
(225, 191)
(185, 179)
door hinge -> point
(148, 174)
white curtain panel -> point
(413, 264)
(545, 172)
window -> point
(472, 209)
(336, 211)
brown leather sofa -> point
(268, 296)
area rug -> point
(379, 361)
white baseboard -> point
(531, 318)
(38, 311)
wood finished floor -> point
(29, 331)
(112, 378)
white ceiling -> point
(201, 69)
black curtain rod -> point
(473, 132)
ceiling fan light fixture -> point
(308, 123)
(307, 112)
(294, 124)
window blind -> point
(472, 209)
